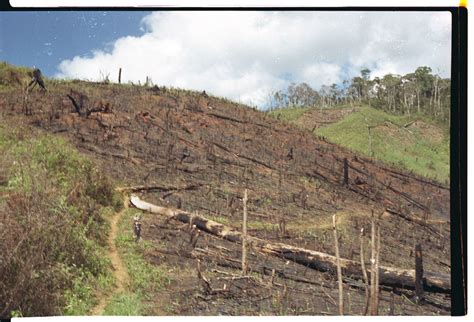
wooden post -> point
(346, 172)
(372, 267)
(418, 272)
(120, 75)
(364, 272)
(244, 237)
(377, 265)
(338, 264)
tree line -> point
(420, 92)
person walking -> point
(137, 227)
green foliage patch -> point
(288, 114)
(425, 153)
(13, 76)
(52, 205)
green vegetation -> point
(145, 279)
(125, 304)
(219, 219)
(11, 76)
(261, 225)
(422, 147)
(53, 236)
(419, 92)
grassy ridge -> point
(289, 114)
(422, 147)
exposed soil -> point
(119, 270)
(174, 138)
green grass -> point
(261, 225)
(125, 304)
(146, 279)
(80, 299)
(218, 219)
(13, 76)
(288, 114)
(423, 153)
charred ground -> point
(201, 152)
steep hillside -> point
(313, 118)
(198, 153)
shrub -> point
(51, 227)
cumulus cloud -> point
(244, 55)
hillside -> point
(414, 143)
(198, 153)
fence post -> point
(244, 237)
(338, 263)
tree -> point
(365, 73)
(358, 88)
(424, 81)
(419, 91)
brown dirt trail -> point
(119, 270)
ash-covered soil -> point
(213, 149)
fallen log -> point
(237, 155)
(390, 276)
(110, 154)
(228, 118)
(419, 221)
(408, 198)
(414, 177)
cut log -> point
(389, 276)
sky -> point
(242, 55)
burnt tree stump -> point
(346, 171)
(418, 273)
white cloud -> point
(245, 54)
(318, 74)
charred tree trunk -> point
(418, 273)
(346, 171)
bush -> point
(51, 227)
(13, 76)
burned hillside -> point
(192, 151)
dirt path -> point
(119, 270)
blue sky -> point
(242, 55)
(44, 38)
